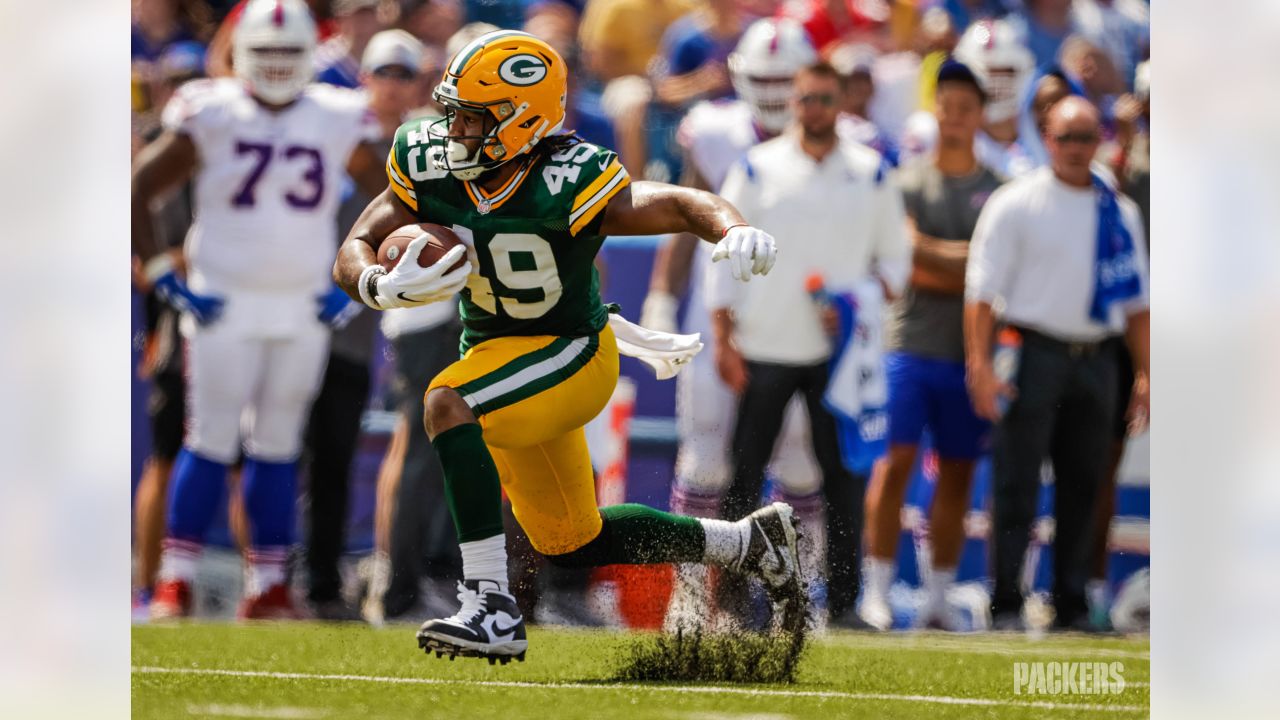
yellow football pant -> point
(533, 395)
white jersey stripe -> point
(620, 176)
(534, 372)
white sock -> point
(726, 541)
(1097, 592)
(486, 560)
(877, 576)
(936, 582)
(266, 569)
(179, 559)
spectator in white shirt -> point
(1057, 256)
(834, 213)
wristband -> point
(368, 285)
(725, 232)
(157, 267)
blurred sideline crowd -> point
(968, 182)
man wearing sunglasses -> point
(829, 201)
(1060, 252)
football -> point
(442, 240)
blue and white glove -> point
(410, 285)
(170, 288)
(336, 308)
(750, 251)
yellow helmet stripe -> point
(464, 55)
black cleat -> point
(772, 555)
(488, 625)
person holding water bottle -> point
(1056, 256)
(831, 207)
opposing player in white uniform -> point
(1005, 68)
(714, 134)
(268, 151)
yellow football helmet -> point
(514, 77)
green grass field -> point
(305, 670)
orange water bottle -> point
(1004, 362)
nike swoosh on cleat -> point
(782, 562)
(507, 631)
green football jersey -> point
(533, 241)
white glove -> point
(659, 312)
(750, 251)
(408, 285)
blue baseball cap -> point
(956, 71)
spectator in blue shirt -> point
(338, 59)
(1042, 26)
(1120, 28)
(157, 26)
(692, 61)
(965, 12)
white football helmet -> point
(769, 54)
(273, 48)
(1004, 66)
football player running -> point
(714, 135)
(268, 151)
(540, 357)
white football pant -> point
(253, 374)
(706, 411)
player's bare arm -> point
(672, 264)
(162, 165)
(653, 208)
(675, 256)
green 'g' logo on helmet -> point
(523, 70)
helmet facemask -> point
(768, 97)
(276, 74)
(491, 152)
(1002, 64)
(1004, 88)
(761, 66)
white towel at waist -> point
(664, 352)
(858, 381)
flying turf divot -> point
(746, 657)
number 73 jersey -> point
(268, 184)
(532, 242)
